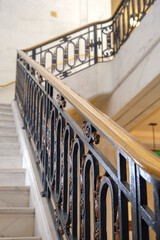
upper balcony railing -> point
(100, 183)
(93, 43)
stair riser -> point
(8, 119)
(8, 132)
(5, 106)
(16, 225)
(9, 152)
(23, 238)
(9, 146)
(8, 128)
(6, 113)
(8, 139)
(5, 110)
(10, 162)
(7, 125)
(14, 198)
(12, 179)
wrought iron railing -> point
(80, 165)
(93, 43)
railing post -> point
(16, 76)
(25, 96)
(95, 44)
(34, 54)
(44, 193)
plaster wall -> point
(136, 64)
(124, 78)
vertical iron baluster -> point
(156, 193)
(124, 26)
(122, 199)
(133, 8)
(34, 54)
(95, 44)
(44, 193)
(128, 17)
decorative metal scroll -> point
(95, 43)
(78, 175)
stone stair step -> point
(4, 139)
(17, 222)
(10, 161)
(6, 112)
(5, 106)
(5, 109)
(8, 118)
(9, 145)
(9, 152)
(8, 133)
(12, 177)
(7, 125)
(14, 196)
(21, 238)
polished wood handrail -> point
(75, 30)
(139, 154)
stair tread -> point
(5, 109)
(21, 238)
(6, 113)
(12, 157)
(7, 138)
(9, 152)
(13, 170)
(17, 210)
(6, 118)
(12, 130)
(7, 124)
(14, 188)
(5, 105)
(12, 145)
(8, 133)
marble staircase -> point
(16, 216)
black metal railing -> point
(100, 183)
(93, 43)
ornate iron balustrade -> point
(80, 165)
(93, 43)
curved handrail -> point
(68, 33)
(75, 30)
(142, 157)
(101, 39)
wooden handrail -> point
(75, 30)
(141, 156)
